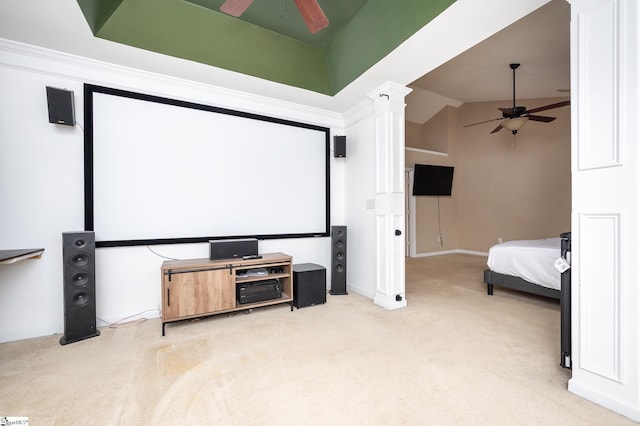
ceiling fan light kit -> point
(514, 124)
(515, 117)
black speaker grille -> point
(339, 146)
(78, 252)
(61, 106)
(338, 260)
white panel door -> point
(605, 217)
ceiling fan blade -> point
(313, 15)
(540, 118)
(497, 129)
(482, 122)
(550, 106)
(235, 7)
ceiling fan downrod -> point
(514, 67)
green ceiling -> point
(270, 40)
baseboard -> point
(454, 251)
(625, 408)
(389, 302)
(31, 333)
(360, 292)
(140, 316)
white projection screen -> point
(161, 171)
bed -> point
(525, 265)
(529, 266)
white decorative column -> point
(389, 202)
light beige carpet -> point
(453, 356)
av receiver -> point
(257, 291)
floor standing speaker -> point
(338, 260)
(78, 257)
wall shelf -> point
(13, 256)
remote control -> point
(252, 256)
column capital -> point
(389, 93)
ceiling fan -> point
(513, 118)
(310, 10)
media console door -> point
(197, 293)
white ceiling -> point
(539, 42)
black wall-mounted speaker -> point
(339, 146)
(79, 272)
(61, 106)
(338, 260)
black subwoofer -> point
(338, 260)
(309, 285)
(78, 268)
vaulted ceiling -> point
(270, 40)
(540, 42)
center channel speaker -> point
(232, 249)
(79, 271)
(338, 260)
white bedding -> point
(532, 260)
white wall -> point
(359, 203)
(41, 189)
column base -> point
(390, 302)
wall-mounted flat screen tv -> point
(432, 180)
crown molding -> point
(68, 66)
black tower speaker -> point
(61, 109)
(339, 146)
(338, 260)
(78, 257)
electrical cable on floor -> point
(440, 225)
(121, 324)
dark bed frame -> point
(517, 283)
(564, 295)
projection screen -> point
(160, 171)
